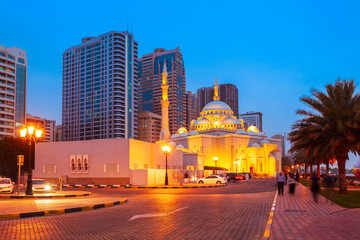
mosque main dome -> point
(216, 115)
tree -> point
(331, 128)
(286, 163)
(9, 149)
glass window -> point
(20, 60)
(11, 57)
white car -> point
(212, 179)
(39, 185)
(6, 185)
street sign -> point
(20, 160)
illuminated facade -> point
(219, 135)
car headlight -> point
(47, 187)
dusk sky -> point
(274, 52)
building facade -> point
(13, 75)
(252, 119)
(100, 88)
(58, 133)
(48, 127)
(149, 127)
(228, 94)
(192, 108)
(150, 79)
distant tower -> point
(165, 133)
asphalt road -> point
(238, 211)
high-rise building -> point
(149, 127)
(100, 88)
(228, 94)
(58, 133)
(13, 70)
(150, 79)
(48, 127)
(252, 118)
(192, 108)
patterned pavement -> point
(238, 211)
(299, 217)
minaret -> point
(165, 133)
(216, 91)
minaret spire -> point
(216, 91)
(165, 133)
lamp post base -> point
(166, 180)
(29, 190)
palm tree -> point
(330, 130)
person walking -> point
(292, 183)
(280, 181)
(314, 187)
(247, 176)
(329, 184)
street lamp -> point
(32, 135)
(166, 151)
(215, 160)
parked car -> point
(250, 175)
(39, 185)
(235, 176)
(221, 175)
(212, 179)
(6, 185)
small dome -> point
(252, 128)
(252, 133)
(255, 145)
(193, 132)
(216, 105)
(230, 120)
(241, 131)
(262, 134)
(202, 121)
(182, 130)
(264, 142)
(174, 136)
(172, 144)
(179, 146)
(184, 134)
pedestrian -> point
(286, 177)
(280, 181)
(314, 187)
(297, 176)
(329, 184)
(247, 176)
(292, 183)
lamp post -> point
(32, 135)
(215, 160)
(166, 151)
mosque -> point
(218, 139)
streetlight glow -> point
(31, 130)
(38, 133)
(23, 132)
(166, 150)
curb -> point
(174, 187)
(60, 211)
(48, 197)
(270, 219)
(137, 187)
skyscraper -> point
(252, 118)
(150, 79)
(192, 108)
(149, 127)
(13, 70)
(100, 88)
(228, 94)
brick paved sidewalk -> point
(299, 217)
(11, 206)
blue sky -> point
(274, 51)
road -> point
(238, 211)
